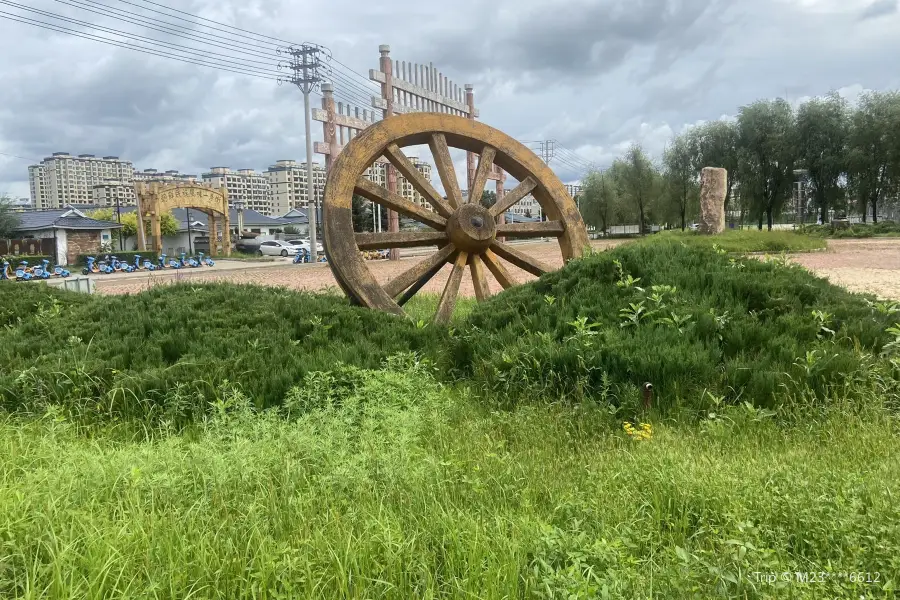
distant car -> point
(693, 227)
(277, 248)
(304, 243)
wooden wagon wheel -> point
(465, 233)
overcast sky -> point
(595, 75)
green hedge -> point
(15, 259)
(857, 230)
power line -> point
(351, 72)
(354, 92)
(17, 156)
(176, 47)
(154, 52)
(165, 26)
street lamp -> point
(800, 176)
(119, 218)
(239, 207)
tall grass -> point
(386, 484)
(166, 353)
(223, 441)
(744, 240)
(700, 326)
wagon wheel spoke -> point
(532, 230)
(479, 279)
(399, 239)
(520, 259)
(418, 285)
(448, 298)
(513, 196)
(376, 193)
(444, 164)
(500, 273)
(397, 285)
(396, 157)
(485, 165)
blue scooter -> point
(22, 272)
(145, 265)
(92, 266)
(205, 260)
(302, 256)
(40, 271)
(4, 273)
(187, 261)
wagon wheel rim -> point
(465, 233)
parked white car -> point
(304, 243)
(277, 248)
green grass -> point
(701, 326)
(165, 353)
(384, 484)
(226, 441)
(744, 241)
(859, 230)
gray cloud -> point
(879, 8)
(593, 74)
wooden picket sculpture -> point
(465, 233)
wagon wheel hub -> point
(472, 228)
(466, 234)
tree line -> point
(847, 156)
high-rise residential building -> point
(64, 179)
(405, 188)
(287, 182)
(245, 186)
(113, 193)
(377, 173)
(39, 198)
(154, 176)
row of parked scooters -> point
(303, 256)
(26, 273)
(111, 264)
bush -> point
(702, 327)
(164, 353)
(857, 230)
(15, 259)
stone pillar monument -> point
(713, 187)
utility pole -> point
(548, 149)
(305, 64)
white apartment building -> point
(154, 176)
(527, 207)
(113, 193)
(287, 182)
(39, 198)
(63, 178)
(377, 173)
(245, 186)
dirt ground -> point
(871, 265)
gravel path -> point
(871, 265)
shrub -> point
(697, 324)
(15, 259)
(165, 353)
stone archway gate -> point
(156, 199)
